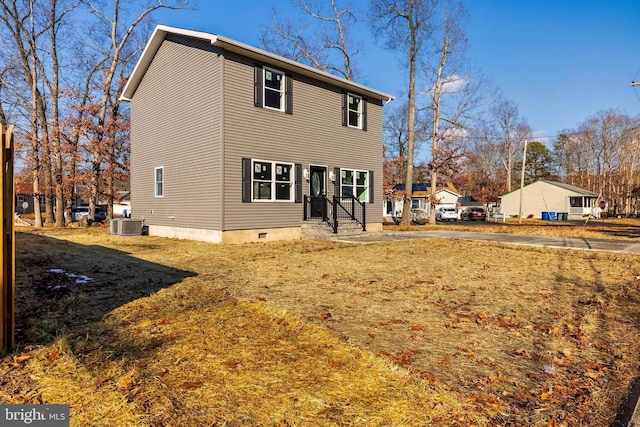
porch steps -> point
(322, 230)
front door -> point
(318, 188)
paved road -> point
(623, 246)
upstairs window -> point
(159, 181)
(354, 111)
(273, 89)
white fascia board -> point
(448, 191)
(277, 60)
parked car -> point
(446, 213)
(79, 212)
(472, 213)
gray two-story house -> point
(230, 143)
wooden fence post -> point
(7, 247)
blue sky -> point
(559, 61)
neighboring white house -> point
(445, 194)
(549, 196)
(122, 204)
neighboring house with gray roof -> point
(550, 196)
(230, 143)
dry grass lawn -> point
(315, 333)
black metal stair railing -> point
(331, 211)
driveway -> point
(623, 246)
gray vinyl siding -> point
(193, 113)
(176, 122)
(313, 134)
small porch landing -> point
(322, 230)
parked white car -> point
(77, 213)
(446, 213)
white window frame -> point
(156, 181)
(280, 91)
(354, 186)
(273, 181)
(419, 204)
(357, 112)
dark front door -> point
(318, 187)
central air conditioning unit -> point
(126, 227)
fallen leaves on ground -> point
(520, 336)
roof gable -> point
(427, 194)
(161, 31)
(572, 188)
(23, 188)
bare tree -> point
(3, 114)
(24, 31)
(56, 19)
(454, 92)
(601, 155)
(36, 41)
(396, 141)
(406, 25)
(561, 160)
(604, 151)
(506, 134)
(86, 66)
(114, 55)
(320, 39)
(629, 182)
(480, 172)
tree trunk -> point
(411, 133)
(437, 103)
(46, 158)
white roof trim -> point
(161, 31)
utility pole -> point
(634, 84)
(524, 162)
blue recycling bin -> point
(548, 216)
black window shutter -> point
(298, 185)
(246, 180)
(345, 113)
(288, 94)
(364, 114)
(336, 183)
(372, 188)
(257, 85)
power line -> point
(632, 126)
